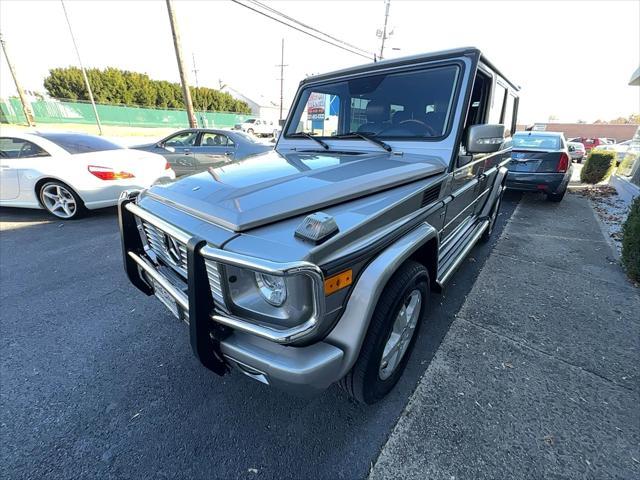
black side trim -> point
(205, 335)
(131, 242)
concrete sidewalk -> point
(538, 376)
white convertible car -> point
(69, 173)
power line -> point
(303, 31)
(273, 10)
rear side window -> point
(19, 148)
(536, 141)
(76, 143)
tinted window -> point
(214, 140)
(414, 104)
(182, 139)
(77, 143)
(18, 148)
(536, 141)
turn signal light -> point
(563, 163)
(338, 282)
(106, 173)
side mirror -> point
(169, 149)
(484, 138)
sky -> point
(573, 59)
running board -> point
(450, 263)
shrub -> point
(631, 241)
(598, 167)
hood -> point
(272, 186)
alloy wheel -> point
(59, 201)
(402, 332)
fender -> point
(498, 185)
(352, 327)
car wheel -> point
(580, 160)
(391, 336)
(61, 201)
(556, 197)
(493, 218)
(250, 131)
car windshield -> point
(75, 143)
(415, 105)
(251, 120)
(536, 141)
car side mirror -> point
(169, 149)
(484, 138)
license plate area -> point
(165, 297)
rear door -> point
(215, 149)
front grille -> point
(213, 272)
(159, 242)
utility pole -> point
(282, 65)
(183, 73)
(84, 73)
(383, 34)
(195, 76)
(26, 108)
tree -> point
(122, 87)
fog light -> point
(273, 289)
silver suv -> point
(313, 264)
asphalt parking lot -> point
(98, 381)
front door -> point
(9, 153)
(463, 189)
(179, 152)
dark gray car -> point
(196, 149)
(540, 162)
(313, 264)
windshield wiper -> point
(371, 139)
(308, 135)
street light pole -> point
(384, 29)
(26, 108)
(84, 73)
(183, 72)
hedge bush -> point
(631, 241)
(598, 167)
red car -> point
(589, 143)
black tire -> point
(493, 218)
(364, 383)
(556, 197)
(79, 209)
(250, 131)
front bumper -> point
(218, 339)
(536, 182)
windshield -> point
(536, 141)
(414, 105)
(246, 137)
(251, 120)
(78, 143)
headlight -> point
(273, 289)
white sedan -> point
(69, 173)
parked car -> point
(258, 127)
(69, 173)
(620, 149)
(589, 143)
(540, 162)
(312, 264)
(576, 151)
(195, 150)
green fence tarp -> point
(54, 111)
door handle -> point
(228, 154)
(186, 151)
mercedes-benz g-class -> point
(313, 264)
